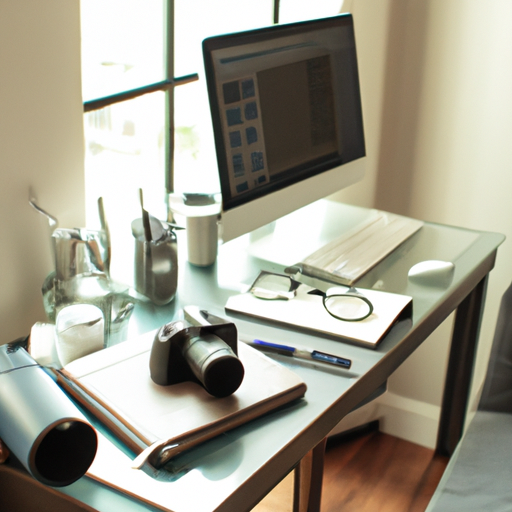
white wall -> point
(371, 27)
(443, 125)
(41, 146)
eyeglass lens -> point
(347, 307)
(274, 283)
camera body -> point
(204, 354)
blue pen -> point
(301, 353)
(202, 317)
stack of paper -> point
(349, 257)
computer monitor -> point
(287, 118)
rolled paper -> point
(39, 423)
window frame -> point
(166, 85)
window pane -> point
(300, 10)
(197, 19)
(122, 45)
(125, 151)
(195, 162)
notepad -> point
(306, 312)
(184, 414)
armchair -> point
(479, 474)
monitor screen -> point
(286, 108)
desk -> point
(235, 471)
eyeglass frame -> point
(294, 285)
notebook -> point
(184, 415)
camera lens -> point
(214, 364)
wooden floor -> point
(372, 472)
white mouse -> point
(432, 273)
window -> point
(123, 49)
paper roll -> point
(39, 424)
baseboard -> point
(398, 416)
(409, 419)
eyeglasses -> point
(350, 306)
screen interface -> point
(285, 105)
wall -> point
(41, 147)
(442, 122)
(371, 27)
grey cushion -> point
(479, 475)
(497, 391)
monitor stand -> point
(293, 237)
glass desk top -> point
(235, 470)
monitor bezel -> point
(276, 190)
